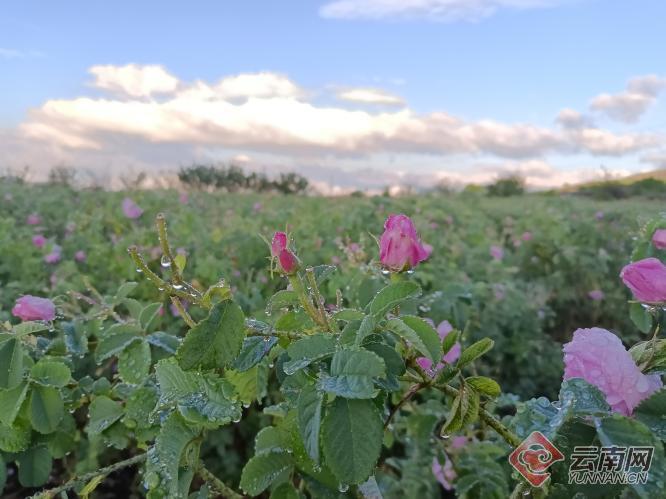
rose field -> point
(194, 344)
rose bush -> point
(291, 377)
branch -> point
(83, 479)
(410, 393)
(218, 485)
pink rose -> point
(131, 209)
(183, 198)
(288, 261)
(80, 256)
(659, 239)
(39, 241)
(450, 357)
(55, 255)
(596, 295)
(646, 279)
(33, 219)
(496, 252)
(598, 356)
(527, 236)
(445, 475)
(34, 308)
(400, 246)
(279, 243)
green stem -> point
(218, 485)
(83, 479)
(160, 222)
(321, 305)
(304, 298)
(183, 313)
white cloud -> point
(436, 10)
(263, 84)
(134, 80)
(7, 53)
(628, 106)
(370, 96)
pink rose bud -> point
(445, 475)
(527, 236)
(39, 241)
(400, 247)
(646, 279)
(279, 243)
(34, 308)
(288, 261)
(598, 356)
(659, 238)
(131, 209)
(54, 256)
(80, 256)
(596, 295)
(33, 219)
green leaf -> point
(11, 360)
(253, 350)
(484, 385)
(449, 341)
(163, 463)
(34, 466)
(391, 296)
(115, 340)
(352, 373)
(148, 314)
(323, 272)
(464, 411)
(134, 362)
(124, 291)
(138, 407)
(352, 434)
(206, 400)
(180, 260)
(3, 474)
(250, 385)
(641, 318)
(348, 314)
(51, 373)
(76, 340)
(282, 299)
(30, 327)
(285, 491)
(262, 470)
(366, 328)
(625, 432)
(216, 341)
(307, 350)
(11, 402)
(420, 334)
(370, 489)
(46, 408)
(309, 408)
(474, 351)
(652, 413)
(580, 398)
(165, 341)
(15, 438)
(102, 413)
(650, 356)
(271, 439)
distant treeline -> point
(647, 188)
(233, 179)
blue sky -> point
(512, 65)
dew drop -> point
(165, 262)
(343, 487)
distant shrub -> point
(649, 187)
(233, 179)
(507, 186)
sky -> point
(351, 93)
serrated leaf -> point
(50, 373)
(102, 413)
(29, 327)
(307, 350)
(309, 409)
(181, 261)
(352, 373)
(11, 401)
(262, 470)
(352, 433)
(115, 340)
(420, 334)
(165, 341)
(34, 466)
(348, 314)
(11, 360)
(46, 408)
(138, 407)
(253, 350)
(134, 363)
(652, 413)
(163, 462)
(148, 314)
(15, 438)
(366, 328)
(650, 356)
(370, 489)
(76, 340)
(216, 341)
(474, 351)
(580, 398)
(391, 296)
(484, 385)
(271, 439)
(124, 291)
(250, 385)
(282, 299)
(285, 491)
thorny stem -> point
(410, 393)
(83, 479)
(306, 302)
(106, 308)
(160, 222)
(157, 280)
(218, 485)
(183, 313)
(312, 280)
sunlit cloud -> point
(628, 106)
(370, 96)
